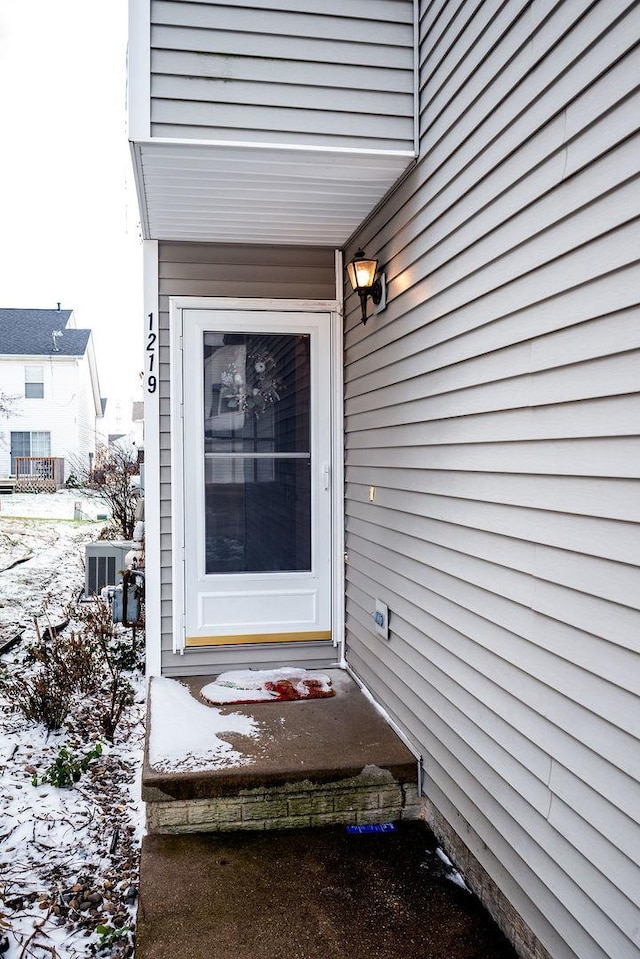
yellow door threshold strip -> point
(318, 635)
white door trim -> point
(176, 306)
(153, 619)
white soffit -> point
(245, 193)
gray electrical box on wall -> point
(381, 619)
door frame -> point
(332, 307)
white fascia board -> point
(93, 373)
(153, 631)
(257, 146)
(138, 179)
(139, 70)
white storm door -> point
(257, 476)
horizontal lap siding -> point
(327, 74)
(494, 407)
(201, 269)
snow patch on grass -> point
(60, 505)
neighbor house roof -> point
(31, 333)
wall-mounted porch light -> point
(362, 273)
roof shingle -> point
(30, 333)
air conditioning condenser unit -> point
(104, 564)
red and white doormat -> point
(267, 686)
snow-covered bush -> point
(41, 698)
(64, 666)
(107, 641)
(95, 657)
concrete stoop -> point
(318, 763)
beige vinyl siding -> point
(494, 406)
(327, 75)
(200, 269)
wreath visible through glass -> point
(262, 389)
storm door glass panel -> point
(257, 451)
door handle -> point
(325, 476)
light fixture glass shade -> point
(362, 271)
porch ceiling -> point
(246, 193)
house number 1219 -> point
(152, 339)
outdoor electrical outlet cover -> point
(381, 619)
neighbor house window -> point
(37, 443)
(34, 382)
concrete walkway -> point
(321, 893)
(307, 894)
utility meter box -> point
(104, 564)
(129, 611)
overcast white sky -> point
(68, 214)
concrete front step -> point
(316, 763)
(373, 796)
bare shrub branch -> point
(112, 478)
(7, 403)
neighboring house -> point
(137, 420)
(130, 429)
(49, 367)
(471, 452)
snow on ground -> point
(61, 505)
(68, 857)
(41, 561)
(452, 874)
